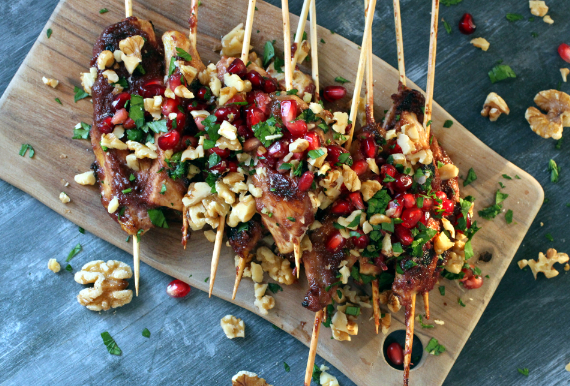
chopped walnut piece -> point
(232, 43)
(247, 378)
(53, 265)
(64, 198)
(327, 379)
(87, 178)
(538, 8)
(567, 367)
(233, 327)
(263, 302)
(557, 105)
(109, 289)
(386, 322)
(50, 82)
(548, 20)
(545, 263)
(481, 43)
(210, 236)
(278, 268)
(494, 106)
(131, 52)
(522, 263)
(564, 72)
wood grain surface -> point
(65, 57)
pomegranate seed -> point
(466, 25)
(262, 100)
(409, 200)
(188, 140)
(232, 166)
(204, 93)
(334, 93)
(395, 354)
(175, 80)
(356, 199)
(360, 167)
(396, 149)
(306, 181)
(223, 112)
(238, 67)
(388, 170)
(440, 195)
(380, 160)
(170, 106)
(411, 216)
(564, 52)
(120, 100)
(333, 152)
(447, 206)
(152, 88)
(177, 289)
(425, 218)
(342, 207)
(470, 280)
(288, 111)
(120, 117)
(380, 261)
(335, 242)
(269, 86)
(194, 106)
(467, 221)
(394, 209)
(106, 126)
(180, 122)
(368, 147)
(403, 182)
(223, 153)
(199, 124)
(254, 116)
(428, 203)
(219, 168)
(297, 128)
(237, 98)
(360, 242)
(314, 141)
(255, 79)
(279, 149)
(403, 234)
(129, 124)
(169, 140)
(244, 131)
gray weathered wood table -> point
(47, 338)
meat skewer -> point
(300, 31)
(399, 42)
(220, 230)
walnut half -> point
(494, 106)
(109, 289)
(247, 378)
(545, 263)
(557, 105)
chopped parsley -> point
(341, 80)
(509, 216)
(554, 171)
(559, 144)
(172, 66)
(447, 3)
(442, 290)
(500, 197)
(81, 230)
(514, 17)
(314, 154)
(345, 158)
(292, 219)
(268, 53)
(434, 348)
(79, 94)
(460, 302)
(25, 147)
(549, 237)
(423, 324)
(316, 373)
(112, 346)
(507, 177)
(471, 176)
(265, 129)
(146, 333)
(136, 110)
(274, 287)
(447, 26)
(183, 54)
(213, 160)
(127, 191)
(447, 124)
(157, 218)
(287, 368)
(49, 32)
(523, 371)
(490, 212)
(351, 310)
(68, 268)
(501, 72)
(103, 10)
(163, 188)
(58, 101)
(73, 253)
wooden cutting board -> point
(29, 114)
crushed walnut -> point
(64, 198)
(494, 106)
(263, 302)
(109, 281)
(50, 82)
(247, 378)
(557, 105)
(54, 266)
(538, 8)
(233, 327)
(545, 263)
(327, 379)
(481, 43)
(564, 72)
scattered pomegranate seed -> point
(177, 289)
(335, 242)
(262, 101)
(403, 234)
(360, 242)
(244, 131)
(288, 110)
(194, 106)
(223, 153)
(222, 113)
(564, 52)
(360, 167)
(180, 122)
(425, 218)
(395, 354)
(232, 166)
(175, 80)
(333, 152)
(389, 170)
(269, 86)
(411, 216)
(120, 117)
(278, 149)
(169, 140)
(203, 93)
(440, 195)
(409, 200)
(466, 24)
(334, 93)
(238, 67)
(120, 100)
(152, 88)
(428, 203)
(356, 199)
(129, 124)
(314, 141)
(396, 149)
(394, 209)
(237, 98)
(254, 116)
(199, 124)
(297, 128)
(368, 147)
(342, 207)
(170, 106)
(219, 168)
(447, 206)
(255, 79)
(106, 126)
(306, 181)
(403, 182)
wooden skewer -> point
(426, 303)
(361, 65)
(300, 29)
(410, 315)
(193, 34)
(216, 254)
(248, 27)
(314, 42)
(239, 274)
(369, 108)
(287, 46)
(431, 65)
(297, 253)
(136, 262)
(129, 8)
(376, 303)
(314, 343)
(399, 41)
